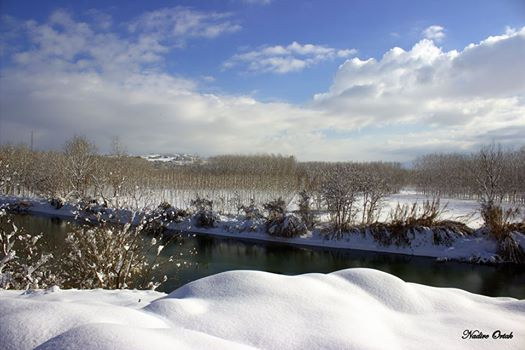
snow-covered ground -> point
(174, 159)
(475, 248)
(463, 210)
(348, 309)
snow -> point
(175, 159)
(475, 248)
(463, 210)
(350, 309)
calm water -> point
(223, 254)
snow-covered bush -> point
(204, 215)
(282, 224)
(158, 220)
(252, 218)
(445, 232)
(57, 202)
(305, 210)
(250, 211)
(112, 257)
(289, 226)
(275, 210)
(23, 264)
(90, 205)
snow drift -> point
(350, 309)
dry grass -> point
(510, 251)
(407, 220)
(501, 225)
(500, 222)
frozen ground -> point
(348, 309)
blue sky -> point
(247, 76)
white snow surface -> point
(348, 309)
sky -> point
(321, 80)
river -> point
(215, 254)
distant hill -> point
(172, 159)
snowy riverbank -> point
(353, 308)
(477, 248)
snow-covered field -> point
(348, 309)
(466, 211)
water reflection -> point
(216, 255)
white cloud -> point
(478, 90)
(64, 45)
(284, 59)
(177, 24)
(435, 32)
(256, 2)
(77, 78)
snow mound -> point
(348, 309)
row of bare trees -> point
(79, 171)
(231, 181)
(493, 174)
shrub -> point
(396, 233)
(252, 217)
(510, 251)
(289, 226)
(275, 209)
(414, 215)
(501, 225)
(499, 222)
(447, 231)
(407, 220)
(251, 212)
(23, 264)
(92, 206)
(111, 257)
(57, 202)
(157, 221)
(101, 256)
(204, 215)
(305, 211)
(279, 223)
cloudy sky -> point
(323, 80)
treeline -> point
(491, 174)
(79, 171)
(231, 181)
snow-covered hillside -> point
(172, 159)
(349, 309)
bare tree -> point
(340, 190)
(80, 162)
(487, 172)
